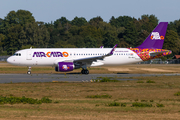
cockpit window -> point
(17, 54)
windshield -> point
(17, 54)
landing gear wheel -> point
(83, 71)
(86, 72)
(29, 72)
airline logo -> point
(50, 54)
(156, 36)
(65, 67)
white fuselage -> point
(51, 56)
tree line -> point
(20, 30)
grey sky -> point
(50, 10)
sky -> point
(51, 10)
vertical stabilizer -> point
(156, 38)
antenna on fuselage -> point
(31, 47)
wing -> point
(88, 60)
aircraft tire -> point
(86, 72)
(82, 71)
(29, 72)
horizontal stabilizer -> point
(157, 53)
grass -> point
(70, 100)
(150, 81)
(136, 104)
(99, 96)
(159, 105)
(24, 100)
(89, 100)
(114, 104)
(177, 94)
(105, 79)
(140, 81)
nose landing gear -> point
(29, 71)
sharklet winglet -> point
(113, 49)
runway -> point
(19, 78)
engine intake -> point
(64, 66)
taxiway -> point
(19, 78)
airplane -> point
(68, 59)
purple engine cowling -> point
(64, 66)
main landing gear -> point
(85, 71)
(29, 71)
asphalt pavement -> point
(19, 78)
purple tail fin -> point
(156, 38)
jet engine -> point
(64, 66)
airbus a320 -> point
(68, 59)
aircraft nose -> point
(10, 60)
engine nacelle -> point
(64, 66)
